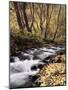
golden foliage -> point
(36, 24)
(53, 74)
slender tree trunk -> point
(25, 18)
(41, 13)
(47, 21)
(48, 17)
(57, 24)
(32, 12)
(18, 15)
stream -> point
(25, 66)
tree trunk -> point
(32, 12)
(41, 15)
(18, 15)
(47, 21)
(48, 17)
(57, 24)
(25, 18)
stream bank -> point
(34, 63)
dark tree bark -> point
(19, 9)
(25, 17)
(16, 7)
(47, 21)
(48, 17)
(57, 24)
(41, 15)
(32, 12)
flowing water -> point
(26, 65)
